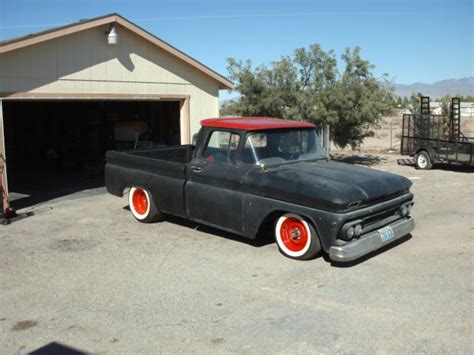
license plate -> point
(386, 233)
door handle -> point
(196, 168)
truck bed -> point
(165, 158)
(178, 154)
(162, 168)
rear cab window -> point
(221, 147)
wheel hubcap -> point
(294, 234)
(421, 161)
(140, 201)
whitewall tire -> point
(142, 206)
(296, 238)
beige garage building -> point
(70, 93)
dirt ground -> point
(82, 274)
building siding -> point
(83, 63)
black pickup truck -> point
(247, 174)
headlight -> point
(358, 230)
(350, 233)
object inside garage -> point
(58, 147)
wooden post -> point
(3, 165)
(2, 145)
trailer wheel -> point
(142, 206)
(296, 238)
(423, 161)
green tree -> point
(361, 101)
(415, 102)
(445, 105)
(406, 103)
(399, 102)
(308, 86)
(467, 98)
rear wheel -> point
(142, 206)
(296, 238)
(423, 161)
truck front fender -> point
(260, 214)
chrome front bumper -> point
(370, 242)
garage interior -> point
(57, 147)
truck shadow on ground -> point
(439, 166)
(365, 160)
(455, 168)
(262, 239)
(368, 256)
(266, 237)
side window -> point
(255, 144)
(221, 147)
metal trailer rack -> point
(436, 138)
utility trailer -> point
(436, 138)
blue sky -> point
(412, 41)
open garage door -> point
(57, 147)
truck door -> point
(213, 191)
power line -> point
(32, 26)
(210, 17)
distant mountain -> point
(463, 87)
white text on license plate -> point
(386, 233)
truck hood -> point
(333, 185)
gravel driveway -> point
(83, 274)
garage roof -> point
(31, 39)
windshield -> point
(277, 147)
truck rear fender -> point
(117, 179)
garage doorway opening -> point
(57, 147)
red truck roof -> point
(254, 123)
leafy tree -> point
(415, 102)
(402, 102)
(445, 105)
(308, 86)
(360, 101)
(467, 98)
(406, 102)
(399, 102)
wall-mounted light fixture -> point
(112, 36)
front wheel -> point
(423, 161)
(296, 238)
(142, 206)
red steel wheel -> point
(142, 206)
(295, 237)
(140, 202)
